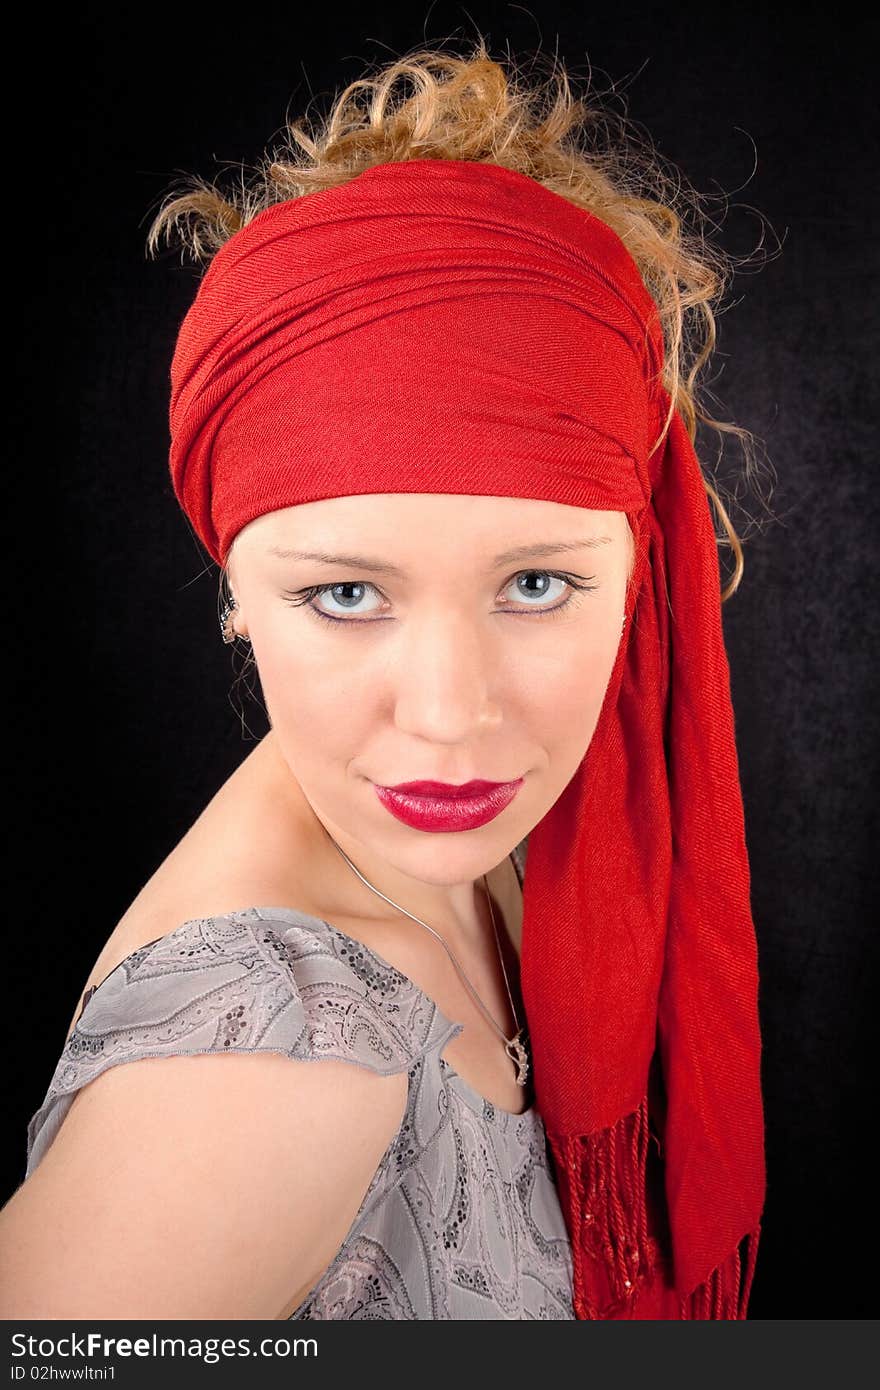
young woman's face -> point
(465, 662)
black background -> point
(123, 721)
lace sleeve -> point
(222, 984)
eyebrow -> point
(364, 562)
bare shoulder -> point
(235, 1176)
(245, 849)
(306, 1138)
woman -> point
(429, 418)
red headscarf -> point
(449, 326)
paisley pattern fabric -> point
(461, 1219)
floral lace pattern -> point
(461, 1219)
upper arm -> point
(201, 1186)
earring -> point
(227, 631)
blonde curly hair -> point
(438, 105)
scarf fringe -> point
(602, 1184)
(725, 1294)
(605, 1203)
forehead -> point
(405, 521)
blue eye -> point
(306, 597)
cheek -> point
(314, 691)
(565, 692)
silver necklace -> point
(515, 1047)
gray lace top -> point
(461, 1219)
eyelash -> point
(304, 597)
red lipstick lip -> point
(448, 789)
(440, 812)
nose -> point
(445, 684)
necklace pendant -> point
(517, 1053)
